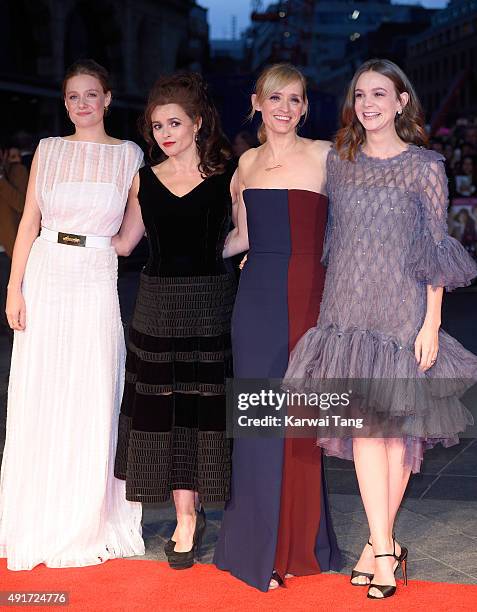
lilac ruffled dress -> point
(386, 240)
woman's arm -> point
(426, 345)
(28, 231)
(132, 227)
(237, 239)
(441, 261)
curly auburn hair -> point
(409, 125)
(189, 91)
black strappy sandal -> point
(388, 590)
(357, 573)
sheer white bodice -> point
(82, 187)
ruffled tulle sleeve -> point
(438, 259)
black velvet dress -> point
(173, 416)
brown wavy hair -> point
(189, 91)
(274, 78)
(409, 125)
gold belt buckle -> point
(71, 239)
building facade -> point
(389, 41)
(442, 62)
(317, 35)
(135, 39)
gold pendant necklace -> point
(273, 167)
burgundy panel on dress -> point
(300, 503)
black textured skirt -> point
(172, 422)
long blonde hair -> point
(273, 78)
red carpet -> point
(152, 586)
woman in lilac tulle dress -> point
(389, 257)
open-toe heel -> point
(278, 579)
(357, 574)
(388, 590)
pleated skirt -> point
(59, 501)
(173, 415)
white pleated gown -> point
(59, 502)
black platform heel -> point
(169, 546)
(356, 573)
(388, 590)
(201, 523)
(185, 560)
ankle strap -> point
(393, 554)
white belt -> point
(96, 242)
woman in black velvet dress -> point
(172, 424)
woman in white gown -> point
(59, 502)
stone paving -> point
(438, 520)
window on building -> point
(467, 29)
(332, 18)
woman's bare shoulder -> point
(248, 159)
(322, 146)
(319, 149)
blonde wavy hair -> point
(409, 125)
(273, 78)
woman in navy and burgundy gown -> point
(277, 522)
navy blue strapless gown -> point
(278, 515)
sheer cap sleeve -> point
(137, 158)
(439, 260)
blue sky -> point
(221, 11)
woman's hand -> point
(426, 346)
(116, 244)
(16, 310)
(132, 227)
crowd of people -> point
(348, 257)
(458, 144)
